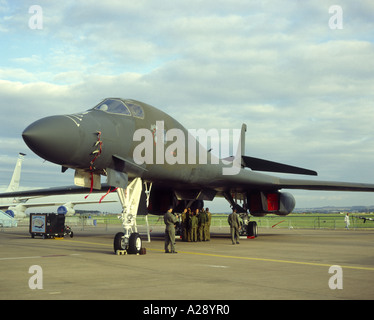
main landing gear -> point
(131, 245)
(248, 228)
(129, 241)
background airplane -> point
(103, 141)
(15, 207)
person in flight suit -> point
(194, 222)
(207, 225)
(233, 221)
(203, 219)
(170, 220)
(189, 225)
(184, 219)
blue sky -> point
(304, 90)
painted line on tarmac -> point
(243, 258)
(276, 260)
(38, 257)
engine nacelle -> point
(17, 212)
(261, 203)
(10, 213)
(66, 209)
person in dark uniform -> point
(189, 225)
(207, 225)
(203, 219)
(170, 220)
(233, 221)
(194, 223)
(184, 218)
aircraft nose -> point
(53, 138)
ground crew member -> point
(207, 225)
(170, 220)
(184, 219)
(189, 224)
(194, 222)
(233, 221)
(203, 219)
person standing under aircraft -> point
(170, 221)
(203, 219)
(207, 225)
(233, 221)
(194, 222)
(184, 218)
(189, 228)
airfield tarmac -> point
(279, 264)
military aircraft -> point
(153, 162)
(16, 207)
(366, 219)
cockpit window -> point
(136, 110)
(113, 106)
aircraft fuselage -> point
(106, 137)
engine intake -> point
(66, 209)
(17, 211)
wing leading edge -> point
(324, 185)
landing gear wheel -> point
(118, 242)
(252, 229)
(135, 243)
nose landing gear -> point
(129, 241)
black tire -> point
(71, 234)
(252, 229)
(135, 243)
(118, 242)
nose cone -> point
(53, 138)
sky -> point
(298, 73)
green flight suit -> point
(233, 221)
(189, 226)
(194, 222)
(170, 220)
(203, 219)
(207, 226)
(184, 220)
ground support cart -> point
(47, 225)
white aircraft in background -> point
(16, 207)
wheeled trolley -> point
(47, 225)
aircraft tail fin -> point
(14, 182)
(256, 164)
(242, 139)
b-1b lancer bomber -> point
(153, 162)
